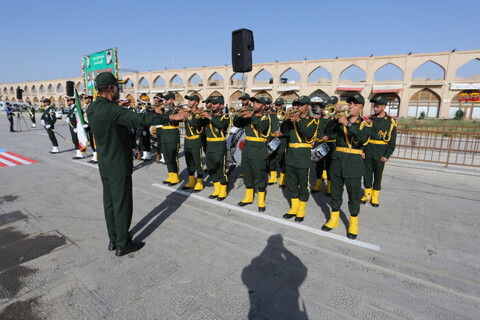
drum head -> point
(235, 143)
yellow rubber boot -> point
(174, 179)
(367, 195)
(318, 186)
(293, 209)
(248, 199)
(353, 228)
(273, 177)
(198, 185)
(216, 190)
(222, 194)
(191, 183)
(281, 180)
(328, 189)
(324, 175)
(301, 211)
(167, 181)
(374, 202)
(261, 201)
(332, 223)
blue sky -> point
(46, 39)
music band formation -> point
(261, 136)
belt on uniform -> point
(348, 150)
(334, 140)
(192, 137)
(169, 127)
(255, 139)
(299, 145)
(215, 139)
(377, 142)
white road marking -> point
(274, 219)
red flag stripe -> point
(10, 160)
(23, 158)
(3, 164)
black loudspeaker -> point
(19, 94)
(70, 92)
(242, 47)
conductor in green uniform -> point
(352, 133)
(110, 124)
(379, 149)
(301, 129)
(48, 121)
(257, 128)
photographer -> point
(10, 115)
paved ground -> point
(416, 256)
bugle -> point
(336, 112)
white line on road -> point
(273, 219)
(85, 163)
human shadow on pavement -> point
(273, 280)
(158, 215)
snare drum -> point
(235, 143)
(273, 145)
(320, 151)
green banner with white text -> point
(96, 63)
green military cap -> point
(279, 101)
(216, 99)
(193, 97)
(357, 99)
(106, 78)
(332, 100)
(262, 100)
(46, 100)
(304, 100)
(268, 100)
(245, 96)
(380, 100)
(169, 95)
(207, 100)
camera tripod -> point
(19, 122)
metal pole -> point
(243, 82)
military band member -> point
(87, 99)
(257, 126)
(192, 146)
(326, 162)
(272, 161)
(158, 102)
(353, 133)
(318, 105)
(143, 135)
(302, 131)
(171, 142)
(31, 112)
(110, 124)
(71, 120)
(48, 121)
(379, 149)
(216, 127)
(245, 98)
(282, 149)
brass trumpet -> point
(245, 109)
(281, 115)
(290, 112)
(336, 112)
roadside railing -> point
(456, 145)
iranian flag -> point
(81, 133)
